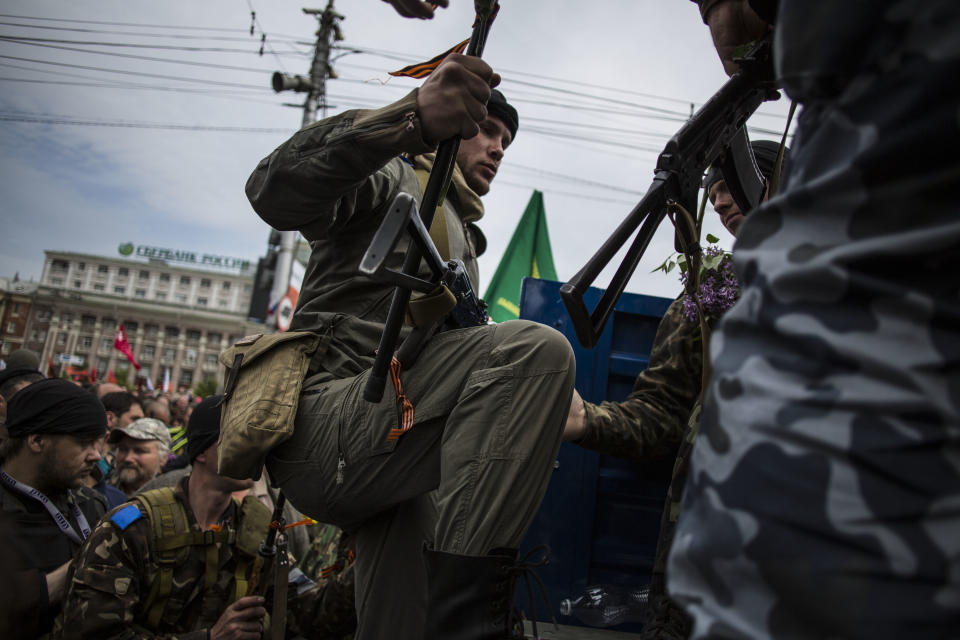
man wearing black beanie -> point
(53, 428)
(483, 410)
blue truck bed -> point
(601, 515)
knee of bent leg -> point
(539, 346)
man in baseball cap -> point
(141, 449)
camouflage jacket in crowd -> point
(328, 610)
(111, 580)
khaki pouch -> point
(264, 376)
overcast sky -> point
(101, 146)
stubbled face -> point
(479, 157)
(726, 208)
(66, 461)
(138, 462)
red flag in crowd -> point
(93, 375)
(121, 344)
(51, 372)
(111, 377)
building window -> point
(143, 274)
(88, 321)
(44, 315)
(211, 360)
(61, 339)
(226, 285)
(182, 298)
(202, 302)
(42, 335)
(223, 304)
(119, 290)
(151, 330)
(16, 308)
(131, 327)
(102, 268)
(169, 354)
(66, 316)
(102, 366)
(161, 295)
(60, 265)
(5, 348)
(184, 280)
(205, 283)
(213, 339)
(186, 378)
(164, 277)
(190, 357)
(123, 272)
(86, 342)
(193, 335)
(81, 266)
(56, 281)
(77, 284)
(149, 350)
(247, 288)
(110, 323)
(106, 344)
(11, 327)
(99, 286)
(172, 332)
(140, 293)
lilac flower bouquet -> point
(718, 289)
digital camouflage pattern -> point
(112, 575)
(327, 611)
(823, 495)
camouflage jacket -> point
(327, 611)
(659, 419)
(333, 181)
(650, 423)
(111, 580)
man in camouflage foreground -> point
(824, 487)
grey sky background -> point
(101, 146)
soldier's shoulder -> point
(91, 500)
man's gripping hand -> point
(453, 100)
(416, 8)
(733, 23)
(242, 620)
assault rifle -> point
(433, 195)
(271, 569)
(448, 282)
(715, 135)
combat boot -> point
(470, 597)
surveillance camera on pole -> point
(287, 82)
(314, 86)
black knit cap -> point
(55, 406)
(20, 363)
(498, 107)
(203, 429)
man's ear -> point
(36, 442)
(111, 420)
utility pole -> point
(315, 87)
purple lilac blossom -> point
(718, 289)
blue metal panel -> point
(600, 515)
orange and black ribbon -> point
(423, 69)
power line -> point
(43, 119)
(101, 43)
(121, 24)
(176, 36)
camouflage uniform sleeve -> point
(106, 583)
(650, 423)
(328, 610)
(335, 169)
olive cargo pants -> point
(490, 406)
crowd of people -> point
(813, 426)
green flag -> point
(528, 254)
